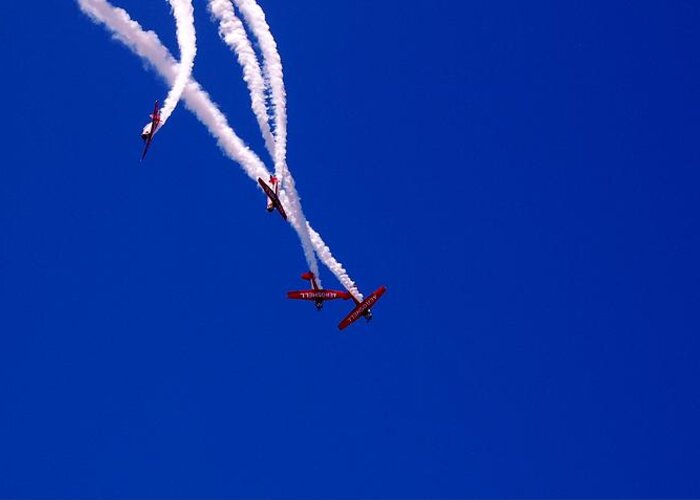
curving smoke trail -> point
(187, 42)
(147, 45)
(233, 33)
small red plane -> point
(273, 200)
(318, 295)
(362, 308)
(150, 129)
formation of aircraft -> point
(319, 295)
(272, 192)
(316, 294)
(149, 129)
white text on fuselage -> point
(363, 307)
(320, 294)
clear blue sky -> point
(523, 176)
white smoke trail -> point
(187, 42)
(272, 67)
(148, 46)
(294, 210)
(298, 221)
(233, 33)
(324, 253)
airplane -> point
(362, 308)
(318, 295)
(273, 200)
(150, 129)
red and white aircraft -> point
(273, 200)
(362, 308)
(318, 295)
(150, 129)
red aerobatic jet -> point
(362, 308)
(150, 129)
(318, 295)
(273, 200)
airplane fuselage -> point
(150, 129)
(273, 200)
(146, 133)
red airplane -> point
(273, 200)
(150, 129)
(362, 308)
(318, 295)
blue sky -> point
(522, 176)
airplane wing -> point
(348, 320)
(146, 146)
(156, 114)
(275, 199)
(361, 307)
(318, 295)
(281, 210)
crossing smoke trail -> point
(272, 67)
(233, 33)
(187, 42)
(148, 47)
